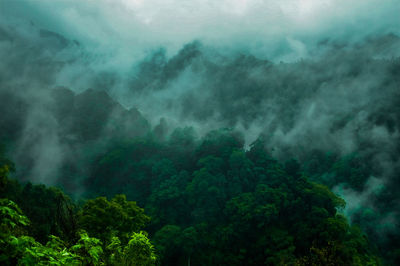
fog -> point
(305, 75)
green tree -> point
(139, 251)
(12, 225)
(167, 241)
(89, 249)
(6, 166)
(104, 219)
(16, 248)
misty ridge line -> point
(319, 82)
(343, 100)
(161, 76)
(232, 87)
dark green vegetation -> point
(210, 201)
(54, 232)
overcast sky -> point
(280, 30)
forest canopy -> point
(222, 205)
(217, 132)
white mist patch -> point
(41, 141)
(357, 200)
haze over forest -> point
(133, 97)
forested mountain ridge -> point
(231, 207)
(210, 193)
(212, 187)
(281, 150)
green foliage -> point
(17, 248)
(54, 253)
(4, 170)
(169, 196)
(12, 225)
(6, 166)
(11, 216)
(332, 255)
(105, 219)
(139, 251)
(50, 211)
(115, 251)
(333, 170)
(88, 249)
(220, 143)
(212, 203)
(129, 162)
(229, 206)
(167, 241)
(205, 191)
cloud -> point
(356, 200)
(125, 29)
(304, 74)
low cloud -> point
(304, 74)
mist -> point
(306, 76)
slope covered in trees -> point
(56, 234)
(207, 202)
(214, 199)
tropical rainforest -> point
(225, 133)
